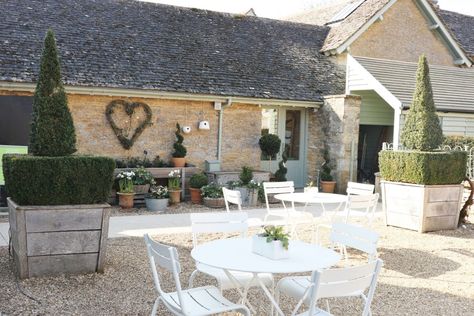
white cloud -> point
(461, 6)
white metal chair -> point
(356, 281)
(205, 300)
(356, 237)
(235, 222)
(233, 197)
(289, 214)
(354, 188)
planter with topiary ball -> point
(57, 212)
(421, 186)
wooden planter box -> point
(214, 203)
(59, 239)
(423, 208)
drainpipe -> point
(226, 104)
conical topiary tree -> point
(52, 128)
(422, 130)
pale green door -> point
(290, 125)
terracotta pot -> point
(214, 203)
(126, 200)
(195, 195)
(328, 186)
(141, 188)
(178, 162)
(175, 196)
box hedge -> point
(427, 168)
(32, 180)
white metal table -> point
(313, 198)
(235, 254)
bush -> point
(212, 191)
(422, 129)
(280, 174)
(246, 175)
(326, 168)
(270, 145)
(461, 141)
(52, 129)
(198, 180)
(31, 180)
(179, 150)
(423, 167)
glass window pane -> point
(269, 126)
(292, 134)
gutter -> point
(226, 104)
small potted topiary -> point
(245, 176)
(421, 186)
(180, 151)
(157, 199)
(142, 180)
(213, 196)
(270, 146)
(273, 243)
(126, 191)
(196, 182)
(280, 174)
(328, 185)
(174, 186)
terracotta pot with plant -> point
(142, 180)
(213, 196)
(126, 192)
(174, 186)
(196, 182)
(180, 151)
(328, 185)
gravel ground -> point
(423, 274)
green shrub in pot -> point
(196, 182)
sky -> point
(281, 8)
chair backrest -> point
(364, 203)
(347, 281)
(277, 188)
(232, 196)
(235, 222)
(354, 188)
(166, 257)
(355, 237)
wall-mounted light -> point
(186, 129)
(204, 125)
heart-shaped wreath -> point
(129, 108)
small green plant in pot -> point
(422, 179)
(213, 196)
(245, 176)
(142, 180)
(328, 185)
(180, 151)
(174, 186)
(157, 199)
(273, 243)
(196, 182)
(270, 146)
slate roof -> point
(320, 14)
(131, 44)
(462, 27)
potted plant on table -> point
(157, 199)
(328, 185)
(126, 192)
(180, 151)
(142, 180)
(272, 243)
(421, 186)
(174, 186)
(213, 196)
(196, 182)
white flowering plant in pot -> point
(125, 181)
(157, 199)
(174, 186)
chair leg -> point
(155, 306)
(244, 311)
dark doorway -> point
(371, 138)
(15, 118)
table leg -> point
(238, 286)
(270, 296)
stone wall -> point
(404, 35)
(240, 137)
(315, 142)
(340, 123)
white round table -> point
(235, 254)
(312, 198)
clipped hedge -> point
(423, 167)
(32, 180)
(461, 141)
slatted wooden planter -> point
(423, 208)
(60, 239)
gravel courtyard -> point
(423, 274)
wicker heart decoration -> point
(129, 108)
